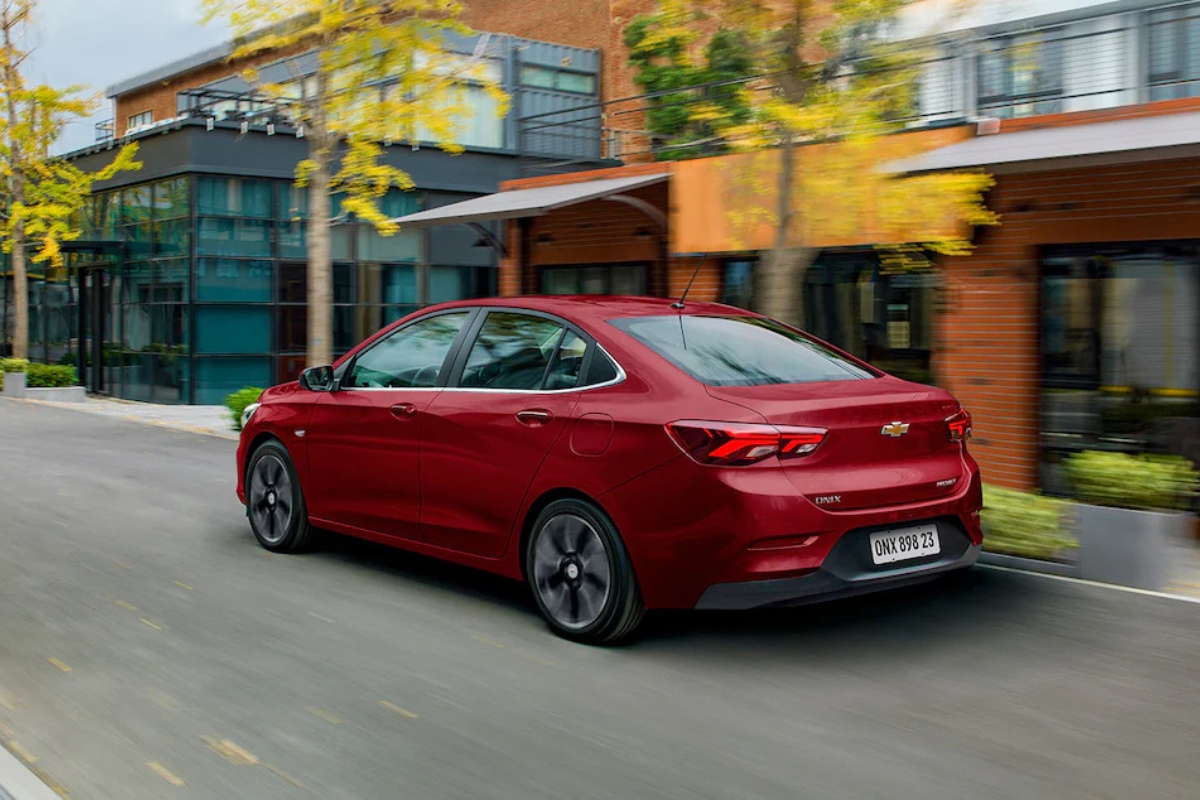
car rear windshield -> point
(740, 351)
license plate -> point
(902, 544)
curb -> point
(174, 426)
(1059, 568)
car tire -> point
(581, 575)
(275, 503)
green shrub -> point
(1024, 524)
(13, 365)
(47, 376)
(1120, 480)
(237, 402)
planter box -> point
(59, 394)
(14, 384)
(1130, 548)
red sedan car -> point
(620, 454)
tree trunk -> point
(320, 269)
(20, 340)
(11, 86)
(779, 293)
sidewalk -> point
(210, 420)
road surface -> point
(150, 649)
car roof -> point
(596, 308)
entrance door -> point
(95, 326)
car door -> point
(364, 438)
(512, 394)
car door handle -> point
(534, 417)
(403, 410)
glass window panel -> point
(234, 237)
(173, 238)
(293, 239)
(511, 351)
(397, 203)
(236, 197)
(293, 282)
(341, 239)
(627, 280)
(344, 334)
(412, 356)
(560, 280)
(233, 281)
(171, 281)
(291, 202)
(343, 283)
(738, 288)
(448, 283)
(233, 329)
(135, 283)
(136, 204)
(291, 331)
(108, 213)
(387, 284)
(139, 239)
(577, 82)
(539, 77)
(217, 378)
(171, 198)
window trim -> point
(136, 121)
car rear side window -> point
(511, 352)
(740, 351)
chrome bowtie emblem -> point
(895, 430)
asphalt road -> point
(150, 649)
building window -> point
(138, 120)
(737, 287)
(1173, 42)
(1021, 75)
(559, 80)
(1120, 349)
(884, 319)
(623, 279)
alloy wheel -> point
(571, 571)
(271, 498)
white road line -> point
(19, 783)
(1129, 589)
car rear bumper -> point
(846, 571)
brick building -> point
(1073, 325)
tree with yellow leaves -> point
(831, 90)
(41, 193)
(375, 72)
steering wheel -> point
(420, 380)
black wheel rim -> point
(270, 499)
(571, 572)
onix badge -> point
(895, 430)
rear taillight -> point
(959, 426)
(738, 443)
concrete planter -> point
(14, 384)
(58, 394)
(1129, 548)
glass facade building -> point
(209, 293)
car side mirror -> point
(318, 379)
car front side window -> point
(411, 357)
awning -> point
(1123, 141)
(527, 202)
